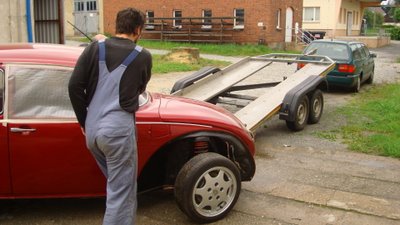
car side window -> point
(2, 89)
(365, 49)
(38, 92)
(356, 52)
(360, 48)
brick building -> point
(255, 21)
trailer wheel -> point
(207, 187)
(316, 107)
(301, 117)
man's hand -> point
(83, 131)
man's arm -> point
(77, 87)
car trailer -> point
(297, 98)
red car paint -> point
(53, 161)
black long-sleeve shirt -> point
(83, 82)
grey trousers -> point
(116, 155)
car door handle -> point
(21, 130)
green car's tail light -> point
(346, 68)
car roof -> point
(336, 41)
(53, 54)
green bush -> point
(395, 33)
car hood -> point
(184, 110)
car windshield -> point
(332, 50)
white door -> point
(289, 25)
(349, 23)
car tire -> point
(301, 117)
(371, 77)
(316, 107)
(207, 187)
(357, 86)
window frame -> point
(278, 19)
(79, 6)
(314, 9)
(6, 113)
(236, 24)
(206, 23)
(177, 23)
(149, 20)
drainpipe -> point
(29, 20)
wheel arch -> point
(288, 109)
(163, 167)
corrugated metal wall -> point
(48, 27)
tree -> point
(396, 14)
(374, 19)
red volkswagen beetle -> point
(201, 150)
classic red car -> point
(200, 149)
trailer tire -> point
(301, 115)
(316, 106)
(207, 187)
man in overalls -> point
(104, 88)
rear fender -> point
(288, 109)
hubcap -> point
(317, 107)
(214, 192)
(301, 113)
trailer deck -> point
(221, 83)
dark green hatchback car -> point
(354, 63)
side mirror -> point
(373, 55)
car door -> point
(364, 62)
(5, 185)
(48, 155)
(369, 62)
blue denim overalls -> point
(110, 136)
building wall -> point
(13, 21)
(68, 16)
(260, 15)
(333, 18)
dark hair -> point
(128, 20)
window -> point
(207, 23)
(1, 91)
(239, 18)
(91, 6)
(311, 14)
(207, 14)
(39, 92)
(149, 20)
(278, 19)
(365, 51)
(177, 14)
(79, 6)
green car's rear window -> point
(332, 50)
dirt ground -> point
(300, 178)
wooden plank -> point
(268, 104)
(209, 87)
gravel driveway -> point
(300, 178)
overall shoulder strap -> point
(132, 55)
(102, 51)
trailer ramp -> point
(214, 84)
(267, 105)
(270, 102)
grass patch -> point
(215, 49)
(373, 121)
(398, 60)
(161, 65)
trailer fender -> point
(288, 109)
(189, 80)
